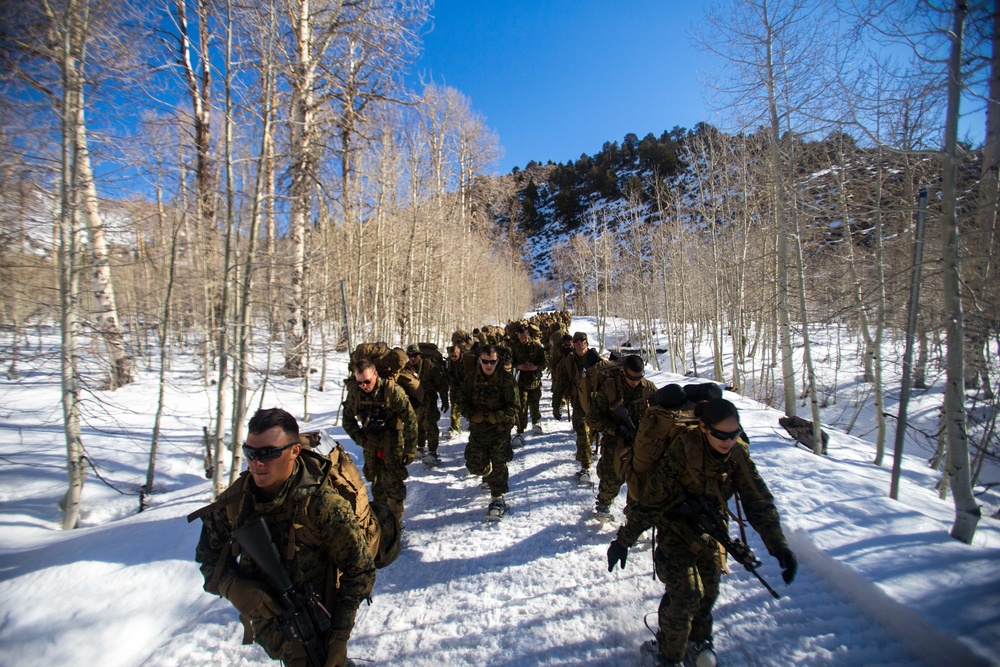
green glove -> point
(336, 648)
(251, 599)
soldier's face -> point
(455, 355)
(580, 347)
(523, 337)
(488, 364)
(366, 380)
(631, 380)
(270, 476)
(414, 360)
(722, 436)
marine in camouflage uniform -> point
(623, 387)
(688, 562)
(488, 399)
(378, 417)
(455, 371)
(529, 361)
(333, 558)
(565, 380)
(433, 383)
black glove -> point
(624, 432)
(789, 566)
(617, 553)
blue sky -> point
(558, 78)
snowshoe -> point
(484, 486)
(700, 654)
(537, 429)
(517, 441)
(431, 460)
(497, 509)
(650, 656)
(583, 478)
(602, 512)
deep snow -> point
(880, 582)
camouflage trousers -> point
(692, 587)
(584, 452)
(456, 419)
(610, 482)
(529, 403)
(387, 476)
(488, 453)
(427, 428)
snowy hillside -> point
(880, 582)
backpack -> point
(375, 518)
(659, 427)
(591, 380)
(431, 351)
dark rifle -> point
(626, 421)
(704, 516)
(303, 616)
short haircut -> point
(633, 364)
(487, 350)
(716, 410)
(363, 364)
(267, 418)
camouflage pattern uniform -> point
(490, 404)
(687, 562)
(383, 444)
(455, 371)
(336, 562)
(565, 379)
(529, 383)
(615, 391)
(434, 383)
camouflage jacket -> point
(690, 467)
(481, 397)
(531, 352)
(333, 557)
(615, 391)
(387, 403)
(564, 380)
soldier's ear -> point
(295, 451)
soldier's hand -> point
(252, 601)
(617, 553)
(491, 417)
(336, 648)
(477, 417)
(789, 566)
(407, 458)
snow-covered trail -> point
(534, 590)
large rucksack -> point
(670, 414)
(431, 351)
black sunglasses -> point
(725, 435)
(489, 362)
(633, 378)
(264, 454)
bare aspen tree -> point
(165, 320)
(967, 512)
